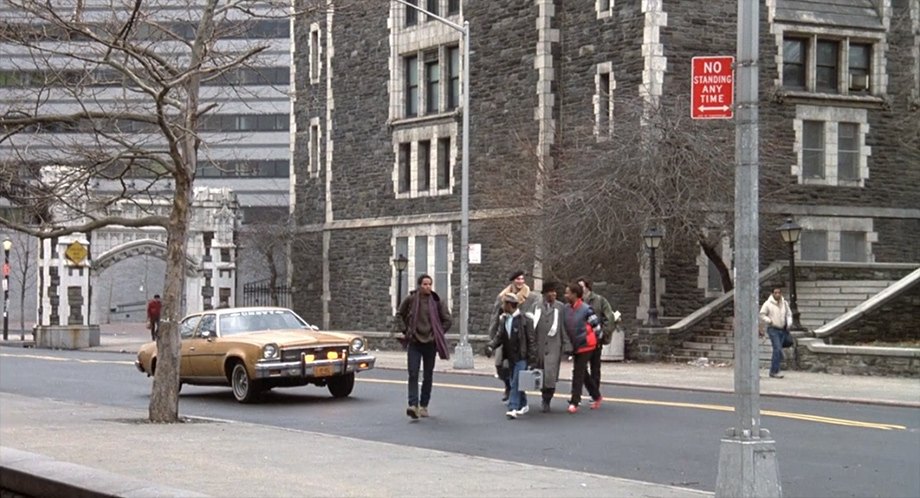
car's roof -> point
(224, 311)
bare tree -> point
(23, 268)
(133, 72)
(271, 243)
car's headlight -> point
(358, 345)
(269, 351)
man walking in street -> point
(549, 331)
(516, 337)
(604, 311)
(775, 313)
(426, 320)
(580, 323)
(526, 301)
(154, 306)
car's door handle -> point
(191, 349)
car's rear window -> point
(253, 321)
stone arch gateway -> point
(68, 265)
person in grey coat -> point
(548, 318)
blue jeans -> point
(517, 399)
(424, 354)
(776, 340)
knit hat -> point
(516, 274)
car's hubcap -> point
(241, 383)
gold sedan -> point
(255, 349)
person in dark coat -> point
(526, 301)
(580, 323)
(550, 334)
(516, 337)
(426, 319)
(604, 311)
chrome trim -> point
(307, 369)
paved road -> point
(656, 435)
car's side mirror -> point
(314, 327)
(206, 334)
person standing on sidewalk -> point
(154, 307)
(549, 331)
(775, 313)
(580, 324)
(426, 320)
(526, 301)
(516, 337)
(604, 311)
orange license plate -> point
(323, 370)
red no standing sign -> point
(713, 88)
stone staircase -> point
(819, 302)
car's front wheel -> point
(245, 390)
(342, 385)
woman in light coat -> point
(550, 331)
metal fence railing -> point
(261, 293)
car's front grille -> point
(319, 353)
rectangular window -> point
(453, 7)
(432, 6)
(858, 67)
(794, 63)
(713, 278)
(440, 265)
(814, 245)
(412, 86)
(424, 165)
(421, 256)
(812, 149)
(453, 70)
(411, 14)
(826, 66)
(443, 163)
(853, 246)
(314, 148)
(432, 85)
(314, 54)
(604, 104)
(848, 151)
(604, 4)
(405, 168)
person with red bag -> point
(582, 327)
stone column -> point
(64, 320)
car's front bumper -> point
(139, 366)
(354, 363)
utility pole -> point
(747, 454)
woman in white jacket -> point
(776, 314)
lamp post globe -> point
(791, 231)
(400, 262)
(652, 238)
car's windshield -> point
(241, 322)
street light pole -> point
(7, 245)
(652, 240)
(791, 231)
(463, 354)
(401, 262)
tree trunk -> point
(724, 273)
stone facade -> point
(537, 67)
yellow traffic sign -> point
(76, 253)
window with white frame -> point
(453, 77)
(411, 13)
(432, 6)
(425, 159)
(603, 7)
(315, 149)
(426, 92)
(831, 146)
(411, 79)
(603, 101)
(836, 239)
(315, 53)
(453, 7)
(428, 250)
(830, 64)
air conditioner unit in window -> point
(859, 82)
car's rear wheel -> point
(341, 385)
(245, 390)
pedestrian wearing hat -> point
(426, 319)
(550, 336)
(526, 302)
(516, 337)
(580, 323)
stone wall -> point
(858, 361)
(893, 322)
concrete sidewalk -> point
(117, 452)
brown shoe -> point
(423, 411)
(412, 412)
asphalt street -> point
(656, 435)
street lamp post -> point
(652, 240)
(791, 231)
(7, 245)
(400, 262)
(463, 354)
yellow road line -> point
(676, 404)
(76, 360)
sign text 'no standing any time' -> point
(713, 88)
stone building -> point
(377, 156)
